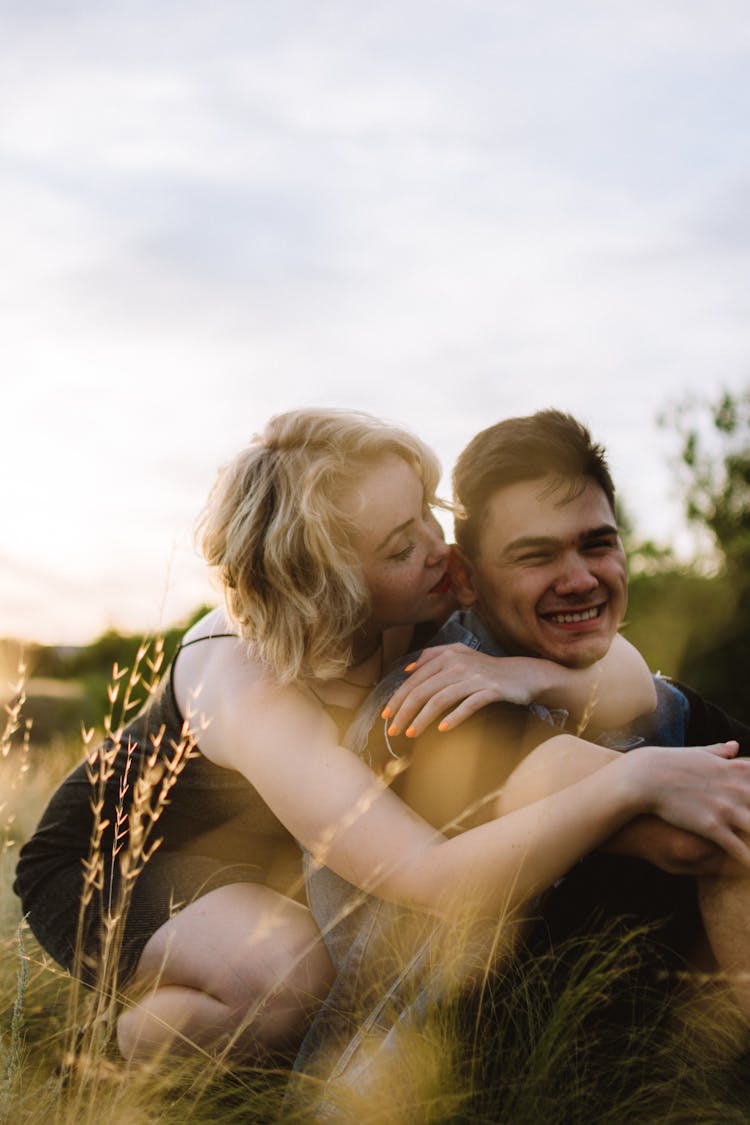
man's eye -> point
(536, 557)
(600, 545)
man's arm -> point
(672, 849)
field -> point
(58, 1060)
(534, 1044)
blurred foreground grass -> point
(534, 1047)
(54, 1066)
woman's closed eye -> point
(403, 555)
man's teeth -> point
(570, 618)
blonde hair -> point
(275, 531)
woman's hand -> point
(456, 681)
(705, 790)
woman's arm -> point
(675, 850)
(609, 693)
(452, 682)
(283, 742)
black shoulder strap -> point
(208, 637)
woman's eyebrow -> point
(396, 531)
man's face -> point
(550, 578)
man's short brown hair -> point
(548, 443)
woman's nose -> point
(437, 550)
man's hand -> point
(672, 849)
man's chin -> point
(577, 652)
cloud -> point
(440, 212)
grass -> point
(545, 1041)
(58, 1060)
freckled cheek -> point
(392, 596)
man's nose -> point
(576, 577)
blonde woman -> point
(323, 536)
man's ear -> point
(462, 577)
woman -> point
(329, 555)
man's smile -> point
(573, 616)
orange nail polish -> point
(410, 667)
(385, 713)
(392, 729)
(410, 732)
(443, 725)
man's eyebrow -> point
(526, 541)
(396, 531)
(597, 532)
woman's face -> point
(400, 545)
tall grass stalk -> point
(11, 1052)
(93, 1011)
(514, 1041)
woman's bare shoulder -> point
(215, 623)
(230, 697)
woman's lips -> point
(443, 586)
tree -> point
(714, 469)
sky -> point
(443, 212)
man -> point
(540, 571)
(538, 537)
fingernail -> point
(410, 667)
(411, 732)
(385, 713)
(442, 725)
(392, 729)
